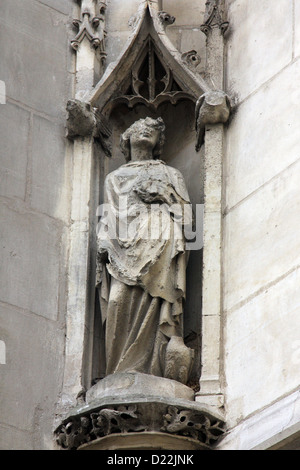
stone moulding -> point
(88, 424)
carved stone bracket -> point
(191, 58)
(91, 27)
(83, 120)
(139, 417)
(211, 108)
(214, 17)
(165, 18)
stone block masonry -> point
(35, 184)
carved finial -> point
(191, 58)
(214, 17)
(166, 18)
(91, 26)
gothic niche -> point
(152, 88)
(146, 359)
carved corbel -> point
(165, 18)
(191, 59)
(211, 108)
(83, 121)
(214, 17)
(91, 26)
(156, 417)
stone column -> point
(83, 127)
(212, 112)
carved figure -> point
(142, 259)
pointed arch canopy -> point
(150, 70)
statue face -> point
(145, 136)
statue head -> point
(148, 132)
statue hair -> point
(125, 137)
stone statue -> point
(141, 262)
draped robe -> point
(141, 272)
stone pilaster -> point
(212, 111)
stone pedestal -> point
(135, 385)
(139, 412)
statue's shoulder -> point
(174, 171)
(116, 172)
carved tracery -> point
(151, 82)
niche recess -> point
(151, 78)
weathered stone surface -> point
(124, 416)
(265, 50)
(192, 39)
(297, 30)
(31, 253)
(212, 108)
(119, 14)
(134, 384)
(51, 170)
(186, 13)
(259, 342)
(12, 438)
(262, 139)
(258, 247)
(64, 6)
(83, 120)
(144, 441)
(141, 279)
(14, 121)
(114, 45)
(35, 345)
(23, 66)
(274, 425)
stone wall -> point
(35, 182)
(261, 206)
(261, 209)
